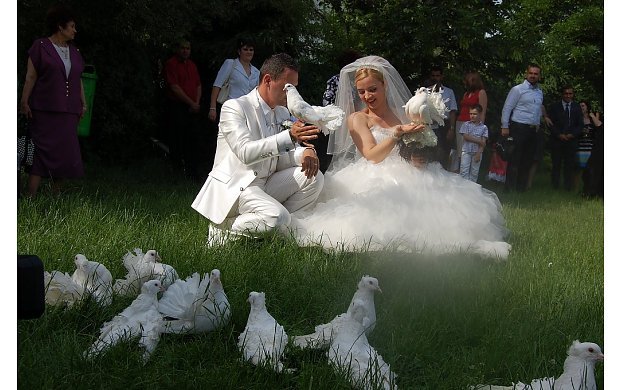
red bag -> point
(497, 167)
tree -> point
(127, 41)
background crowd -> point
(119, 133)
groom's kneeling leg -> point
(293, 189)
(259, 212)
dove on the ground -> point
(142, 267)
(140, 319)
(89, 277)
(324, 333)
(578, 372)
(60, 289)
(351, 354)
(263, 340)
(96, 278)
(328, 118)
(195, 305)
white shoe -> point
(220, 234)
(216, 237)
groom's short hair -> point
(276, 64)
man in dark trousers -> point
(521, 115)
(566, 125)
(184, 93)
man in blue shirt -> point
(521, 116)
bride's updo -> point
(362, 73)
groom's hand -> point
(302, 133)
(310, 162)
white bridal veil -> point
(341, 144)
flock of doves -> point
(199, 304)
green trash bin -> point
(89, 80)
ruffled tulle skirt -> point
(396, 206)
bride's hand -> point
(400, 130)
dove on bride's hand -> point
(401, 130)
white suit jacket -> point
(243, 153)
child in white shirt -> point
(475, 134)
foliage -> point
(497, 38)
(128, 41)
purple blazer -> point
(53, 90)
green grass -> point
(443, 323)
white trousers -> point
(267, 204)
(470, 168)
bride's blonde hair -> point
(362, 73)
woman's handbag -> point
(505, 147)
(225, 90)
(25, 146)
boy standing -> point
(475, 136)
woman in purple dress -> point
(53, 101)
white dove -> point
(142, 267)
(263, 340)
(60, 289)
(194, 305)
(328, 118)
(578, 372)
(324, 333)
(426, 106)
(89, 277)
(352, 355)
(95, 278)
(140, 319)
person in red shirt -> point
(184, 93)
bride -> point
(375, 200)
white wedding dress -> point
(393, 205)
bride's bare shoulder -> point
(358, 120)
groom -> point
(260, 174)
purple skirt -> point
(57, 150)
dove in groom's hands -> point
(328, 118)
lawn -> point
(442, 323)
